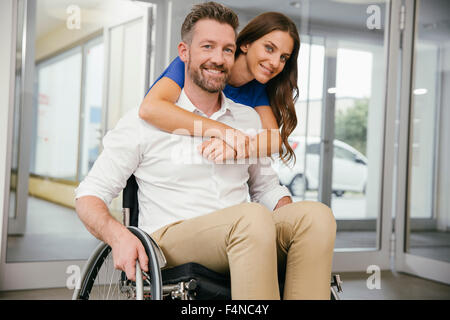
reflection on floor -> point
(434, 245)
(394, 286)
(54, 232)
(355, 239)
(429, 244)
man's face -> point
(210, 55)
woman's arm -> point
(269, 140)
(158, 108)
(264, 144)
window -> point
(68, 113)
(343, 154)
(313, 149)
(92, 111)
(58, 114)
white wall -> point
(180, 9)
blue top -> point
(252, 93)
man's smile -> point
(213, 71)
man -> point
(196, 210)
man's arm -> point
(126, 248)
(264, 185)
(118, 160)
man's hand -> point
(235, 145)
(283, 201)
(126, 249)
(217, 150)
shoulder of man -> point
(131, 118)
(131, 124)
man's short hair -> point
(209, 10)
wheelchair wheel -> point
(101, 281)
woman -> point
(265, 72)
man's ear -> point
(183, 51)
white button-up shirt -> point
(175, 181)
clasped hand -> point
(235, 145)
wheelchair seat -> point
(203, 283)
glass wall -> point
(17, 102)
(71, 99)
(358, 146)
(342, 73)
(92, 113)
(429, 145)
(58, 114)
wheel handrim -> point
(111, 284)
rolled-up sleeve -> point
(264, 185)
(119, 159)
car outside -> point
(349, 167)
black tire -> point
(101, 257)
(293, 186)
(339, 193)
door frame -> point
(406, 262)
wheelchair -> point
(191, 281)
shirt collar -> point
(185, 103)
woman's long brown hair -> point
(282, 90)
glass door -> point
(347, 50)
(351, 171)
(423, 211)
(77, 64)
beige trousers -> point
(253, 243)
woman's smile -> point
(266, 70)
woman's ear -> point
(183, 51)
(244, 48)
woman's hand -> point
(217, 150)
(244, 145)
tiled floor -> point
(394, 286)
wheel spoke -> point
(103, 281)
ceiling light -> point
(420, 91)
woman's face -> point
(267, 56)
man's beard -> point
(206, 84)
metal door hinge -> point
(402, 17)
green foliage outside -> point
(351, 125)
